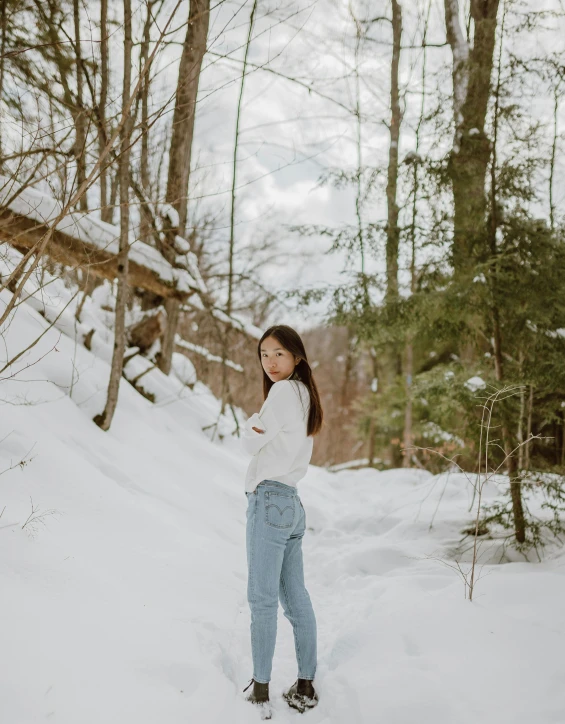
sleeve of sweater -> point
(280, 408)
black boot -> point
(260, 697)
(301, 695)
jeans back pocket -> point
(279, 510)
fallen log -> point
(82, 240)
(24, 233)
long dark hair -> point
(291, 341)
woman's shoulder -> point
(291, 391)
(286, 387)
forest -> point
(388, 179)
(177, 175)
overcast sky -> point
(291, 137)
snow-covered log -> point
(81, 239)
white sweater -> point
(284, 450)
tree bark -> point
(105, 419)
(511, 460)
(409, 349)
(193, 51)
(226, 337)
(392, 231)
(145, 225)
(556, 103)
(80, 117)
(529, 428)
(3, 33)
(165, 357)
(472, 68)
(51, 15)
(408, 373)
(374, 407)
(105, 209)
(506, 427)
(147, 331)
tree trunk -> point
(392, 231)
(408, 372)
(165, 357)
(105, 419)
(226, 337)
(508, 440)
(374, 407)
(80, 117)
(3, 33)
(556, 104)
(471, 148)
(185, 104)
(511, 460)
(409, 350)
(105, 209)
(193, 52)
(51, 16)
(145, 224)
(529, 428)
(147, 331)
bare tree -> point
(3, 34)
(392, 231)
(80, 116)
(145, 226)
(193, 51)
(104, 420)
(229, 304)
(497, 336)
(408, 436)
(105, 208)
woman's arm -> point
(279, 408)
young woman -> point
(280, 439)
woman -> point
(280, 440)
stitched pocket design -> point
(279, 510)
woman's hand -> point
(261, 432)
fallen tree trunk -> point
(147, 268)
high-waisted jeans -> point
(275, 527)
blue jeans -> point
(275, 527)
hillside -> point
(124, 595)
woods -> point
(403, 197)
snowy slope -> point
(126, 603)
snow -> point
(182, 245)
(184, 369)
(475, 383)
(360, 463)
(126, 602)
(88, 228)
(431, 430)
(170, 213)
(203, 352)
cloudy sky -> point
(291, 137)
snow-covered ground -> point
(126, 602)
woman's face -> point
(277, 361)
